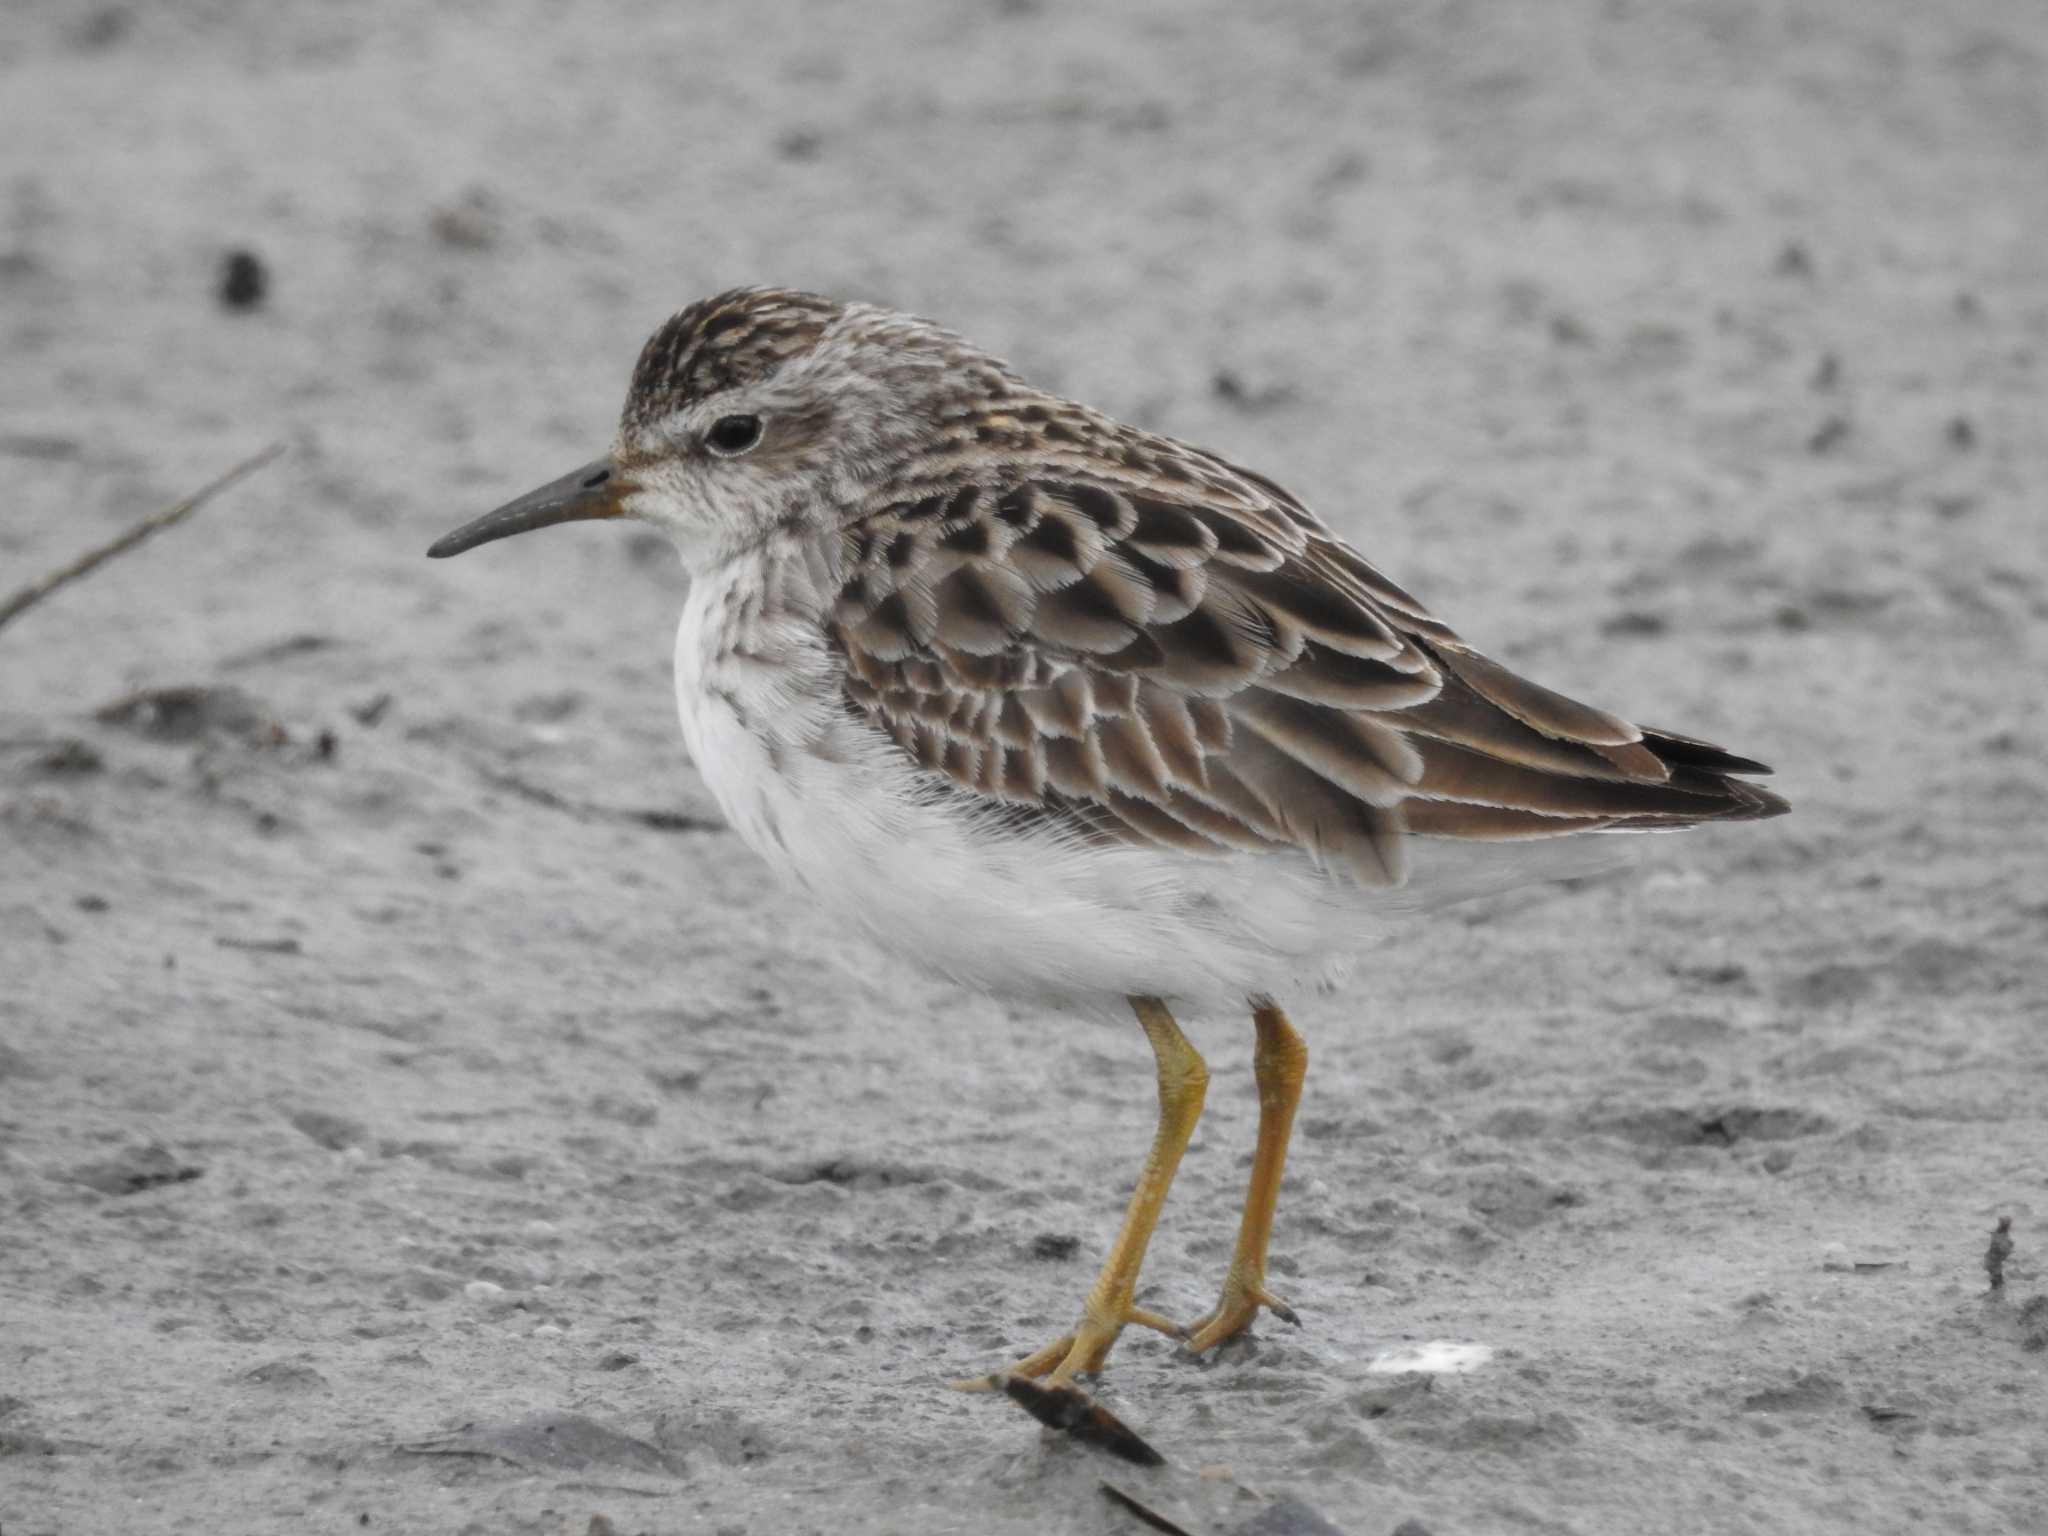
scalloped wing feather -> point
(1143, 643)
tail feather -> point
(1507, 760)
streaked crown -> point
(731, 339)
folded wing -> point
(1179, 653)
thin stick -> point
(156, 522)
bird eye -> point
(734, 434)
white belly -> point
(837, 809)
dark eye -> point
(734, 434)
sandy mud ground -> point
(418, 1114)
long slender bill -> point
(596, 490)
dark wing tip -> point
(1690, 752)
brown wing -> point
(1188, 657)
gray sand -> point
(454, 1130)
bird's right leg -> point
(1280, 1061)
(1110, 1303)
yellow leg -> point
(1280, 1062)
(1183, 1080)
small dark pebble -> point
(1793, 261)
(800, 144)
(1962, 434)
(369, 714)
(1827, 373)
(1634, 624)
(1055, 1247)
(92, 903)
(618, 1360)
(324, 746)
(244, 280)
(1828, 436)
(1232, 390)
(473, 224)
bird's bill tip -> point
(596, 490)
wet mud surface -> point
(418, 1113)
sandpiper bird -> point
(1057, 706)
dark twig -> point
(1996, 1255)
(1070, 1409)
(1145, 1513)
(156, 522)
(655, 818)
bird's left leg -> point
(1111, 1303)
(1280, 1062)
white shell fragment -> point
(1437, 1357)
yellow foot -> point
(1233, 1313)
(1072, 1354)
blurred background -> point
(1690, 355)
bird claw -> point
(1233, 1313)
(1081, 1352)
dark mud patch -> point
(1711, 1126)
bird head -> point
(755, 410)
